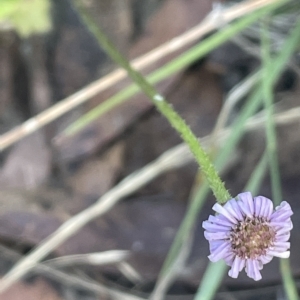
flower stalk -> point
(202, 158)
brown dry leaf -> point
(97, 174)
(173, 18)
(24, 230)
(27, 165)
(146, 226)
(37, 290)
(104, 130)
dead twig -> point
(98, 258)
(73, 280)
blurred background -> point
(47, 53)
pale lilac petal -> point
(220, 221)
(247, 200)
(270, 210)
(263, 207)
(281, 246)
(237, 266)
(234, 209)
(284, 209)
(249, 268)
(242, 265)
(257, 275)
(267, 208)
(265, 259)
(252, 269)
(219, 252)
(283, 206)
(214, 227)
(258, 201)
(244, 209)
(288, 225)
(285, 254)
(283, 237)
(279, 224)
(213, 245)
(284, 230)
(228, 258)
(221, 210)
(282, 216)
(210, 236)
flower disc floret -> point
(247, 232)
(251, 238)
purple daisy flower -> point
(247, 232)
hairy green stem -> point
(208, 287)
(202, 158)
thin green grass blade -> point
(254, 102)
(271, 139)
(211, 280)
(286, 273)
(185, 228)
(288, 280)
(260, 171)
(169, 69)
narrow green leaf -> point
(211, 280)
(286, 272)
(288, 280)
